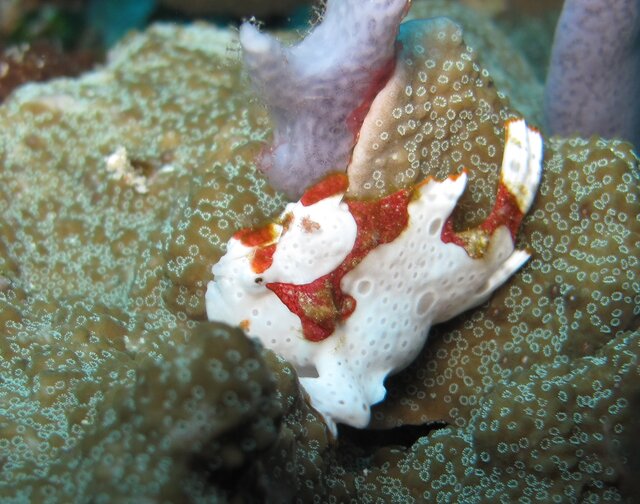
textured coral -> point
(102, 297)
(503, 54)
(563, 432)
(184, 415)
(87, 260)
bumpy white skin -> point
(312, 88)
(317, 240)
(401, 288)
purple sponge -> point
(319, 90)
(593, 81)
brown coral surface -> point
(116, 389)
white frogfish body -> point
(347, 291)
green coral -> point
(99, 305)
(115, 388)
(208, 404)
(504, 58)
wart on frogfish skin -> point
(364, 305)
(309, 226)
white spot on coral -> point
(120, 167)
